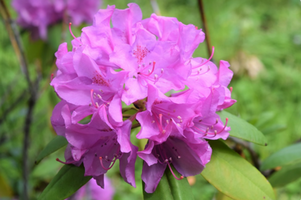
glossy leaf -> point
(242, 129)
(54, 145)
(286, 175)
(222, 196)
(234, 176)
(286, 156)
(65, 183)
(170, 188)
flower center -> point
(97, 100)
(99, 80)
(140, 53)
(163, 158)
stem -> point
(15, 40)
(32, 88)
(155, 7)
(135, 126)
(127, 109)
(204, 22)
(13, 105)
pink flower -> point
(122, 59)
(97, 144)
(188, 155)
(37, 15)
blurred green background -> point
(260, 39)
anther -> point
(231, 88)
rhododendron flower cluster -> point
(37, 15)
(148, 66)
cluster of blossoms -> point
(37, 15)
(147, 64)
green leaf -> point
(242, 129)
(170, 188)
(234, 176)
(54, 145)
(286, 175)
(283, 157)
(65, 183)
(222, 196)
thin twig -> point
(15, 40)
(246, 145)
(155, 7)
(205, 29)
(136, 126)
(12, 106)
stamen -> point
(180, 118)
(161, 124)
(224, 126)
(92, 99)
(160, 118)
(112, 163)
(181, 177)
(199, 72)
(153, 68)
(51, 77)
(206, 60)
(72, 33)
(176, 150)
(231, 88)
(215, 131)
